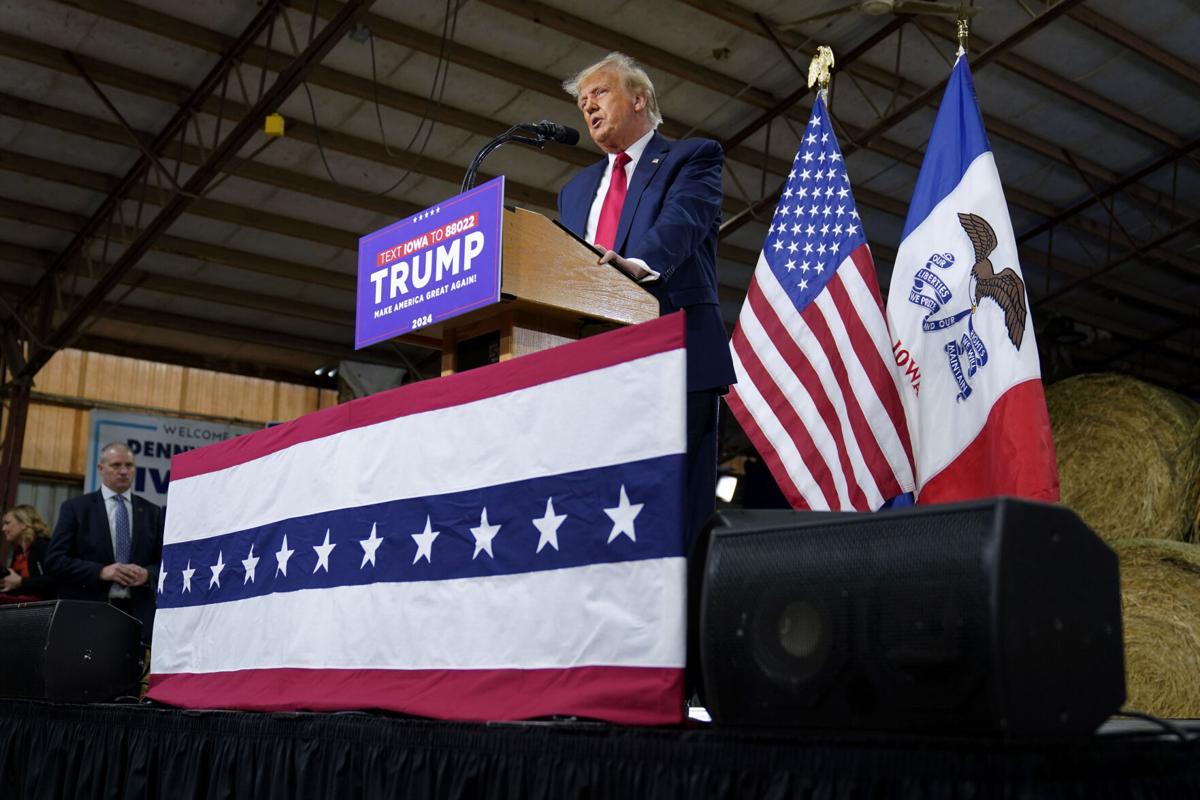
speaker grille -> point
(894, 620)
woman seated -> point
(28, 536)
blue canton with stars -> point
(816, 224)
(625, 512)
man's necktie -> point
(610, 211)
(123, 538)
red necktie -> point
(610, 211)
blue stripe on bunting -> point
(583, 537)
(958, 138)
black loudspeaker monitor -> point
(997, 618)
(69, 651)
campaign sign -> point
(432, 266)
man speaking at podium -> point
(654, 207)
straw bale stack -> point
(1128, 456)
(1160, 603)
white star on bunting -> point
(216, 568)
(484, 534)
(424, 541)
(623, 516)
(369, 546)
(548, 525)
(250, 563)
(281, 558)
(323, 551)
(187, 577)
(162, 576)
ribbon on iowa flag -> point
(504, 543)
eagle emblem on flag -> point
(1005, 287)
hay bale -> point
(1128, 456)
(1160, 604)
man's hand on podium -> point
(634, 268)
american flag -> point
(504, 543)
(817, 387)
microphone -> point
(563, 134)
(531, 134)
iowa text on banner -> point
(503, 543)
(816, 387)
(958, 308)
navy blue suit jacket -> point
(82, 545)
(671, 220)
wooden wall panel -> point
(56, 435)
(50, 433)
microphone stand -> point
(517, 133)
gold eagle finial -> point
(819, 67)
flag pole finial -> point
(964, 29)
(818, 69)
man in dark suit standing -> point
(654, 207)
(107, 545)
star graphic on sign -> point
(281, 558)
(216, 568)
(623, 516)
(369, 546)
(323, 551)
(548, 525)
(250, 562)
(424, 541)
(162, 575)
(484, 535)
(187, 576)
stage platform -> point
(143, 751)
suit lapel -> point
(575, 214)
(103, 532)
(652, 158)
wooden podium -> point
(551, 292)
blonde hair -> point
(634, 78)
(35, 526)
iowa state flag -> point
(504, 543)
(959, 315)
